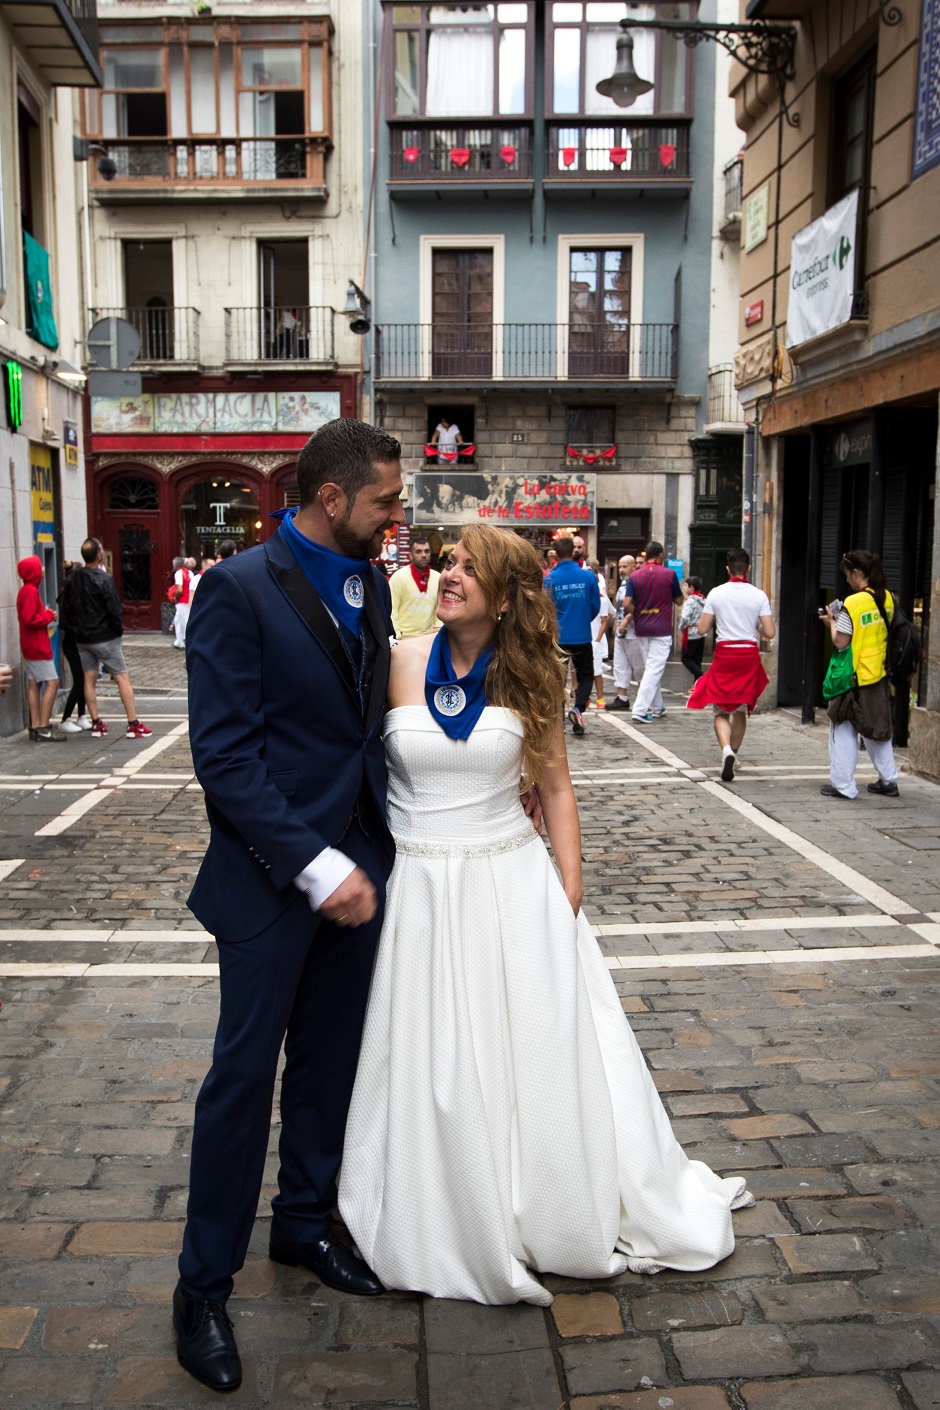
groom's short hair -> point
(344, 453)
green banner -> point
(39, 290)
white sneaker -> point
(84, 722)
(69, 727)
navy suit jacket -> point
(280, 743)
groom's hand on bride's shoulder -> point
(533, 808)
(354, 901)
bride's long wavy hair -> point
(527, 673)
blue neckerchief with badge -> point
(456, 704)
(340, 581)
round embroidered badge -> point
(449, 699)
(353, 591)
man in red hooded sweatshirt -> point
(42, 677)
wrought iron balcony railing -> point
(723, 405)
(167, 334)
(85, 15)
(434, 152)
(223, 162)
(734, 190)
(279, 335)
(617, 151)
(527, 352)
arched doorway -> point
(218, 505)
(131, 535)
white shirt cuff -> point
(320, 878)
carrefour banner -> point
(459, 497)
(822, 272)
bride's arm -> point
(560, 812)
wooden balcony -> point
(434, 154)
(527, 352)
(616, 155)
(220, 168)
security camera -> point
(107, 168)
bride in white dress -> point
(503, 1121)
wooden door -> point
(599, 313)
(462, 313)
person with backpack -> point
(862, 625)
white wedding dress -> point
(503, 1120)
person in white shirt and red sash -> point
(736, 679)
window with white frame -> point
(582, 40)
(460, 60)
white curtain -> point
(460, 73)
(600, 57)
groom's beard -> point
(353, 545)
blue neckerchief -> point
(455, 704)
(340, 581)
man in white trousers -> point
(652, 593)
(628, 659)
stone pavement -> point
(776, 954)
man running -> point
(741, 614)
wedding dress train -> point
(503, 1121)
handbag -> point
(840, 676)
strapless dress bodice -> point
(455, 796)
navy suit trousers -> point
(303, 982)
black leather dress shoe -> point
(205, 1341)
(332, 1262)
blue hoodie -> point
(577, 600)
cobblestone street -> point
(778, 956)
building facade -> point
(226, 222)
(47, 52)
(541, 269)
(839, 357)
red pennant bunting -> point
(460, 156)
(411, 154)
(568, 155)
(574, 454)
(609, 453)
(667, 154)
(589, 458)
(508, 154)
(618, 155)
(468, 450)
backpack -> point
(902, 656)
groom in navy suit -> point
(288, 657)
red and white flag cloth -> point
(735, 677)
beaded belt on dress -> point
(467, 849)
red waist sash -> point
(735, 677)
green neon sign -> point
(14, 389)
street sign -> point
(113, 343)
(114, 384)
